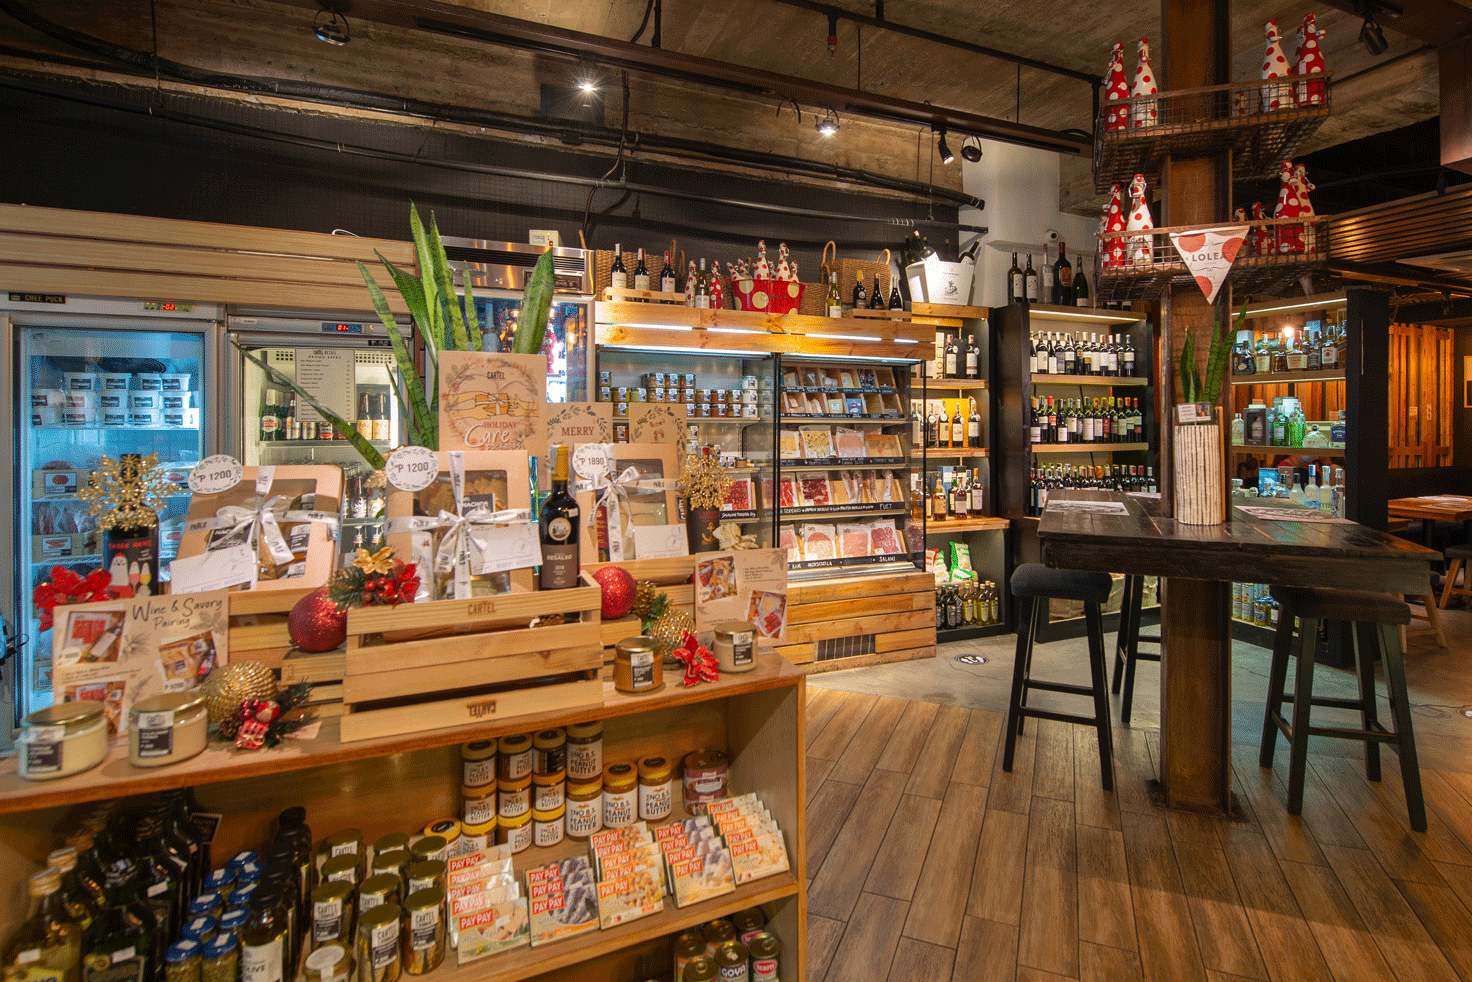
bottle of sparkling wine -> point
(559, 530)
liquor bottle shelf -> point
(1245, 448)
(959, 384)
(1087, 315)
(1278, 378)
(955, 525)
(1047, 378)
(1061, 448)
(952, 452)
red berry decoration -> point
(618, 591)
(316, 623)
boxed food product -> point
(853, 541)
(817, 442)
(646, 494)
(562, 899)
(817, 542)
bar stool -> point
(1456, 556)
(1127, 644)
(1372, 614)
(1034, 585)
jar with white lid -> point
(167, 729)
(61, 740)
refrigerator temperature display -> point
(328, 328)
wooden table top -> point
(1437, 507)
(1244, 550)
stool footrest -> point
(1379, 733)
(1057, 717)
(1064, 687)
(1328, 702)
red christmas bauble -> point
(316, 624)
(618, 591)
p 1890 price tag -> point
(411, 468)
(215, 474)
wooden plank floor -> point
(927, 862)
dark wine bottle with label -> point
(619, 275)
(1063, 278)
(876, 296)
(1030, 281)
(1015, 287)
(641, 273)
(559, 530)
(121, 944)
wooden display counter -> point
(403, 783)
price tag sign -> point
(590, 462)
(411, 468)
(215, 474)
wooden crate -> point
(258, 624)
(897, 609)
(492, 667)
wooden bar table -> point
(1431, 508)
(1195, 721)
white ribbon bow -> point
(262, 522)
(616, 492)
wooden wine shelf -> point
(880, 315)
(614, 294)
(1279, 378)
(952, 452)
(1110, 380)
(1085, 315)
(952, 526)
(644, 325)
(957, 384)
(1059, 448)
(946, 312)
(1244, 448)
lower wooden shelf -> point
(1059, 448)
(955, 526)
(973, 631)
(1244, 448)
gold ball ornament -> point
(669, 631)
(230, 685)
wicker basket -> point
(603, 268)
(850, 268)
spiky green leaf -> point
(536, 301)
(1188, 368)
(472, 316)
(444, 279)
(411, 401)
(434, 323)
(345, 429)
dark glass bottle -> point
(123, 943)
(47, 944)
(876, 296)
(1030, 281)
(559, 530)
(161, 873)
(264, 950)
(1063, 278)
(1016, 286)
(76, 899)
(895, 301)
(860, 297)
(89, 870)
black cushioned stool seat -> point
(1034, 585)
(1373, 618)
(1127, 644)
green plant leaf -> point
(411, 401)
(444, 279)
(1216, 360)
(1188, 368)
(434, 323)
(472, 316)
(347, 430)
(536, 301)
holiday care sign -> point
(1209, 254)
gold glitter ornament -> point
(230, 685)
(669, 630)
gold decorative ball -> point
(230, 685)
(669, 631)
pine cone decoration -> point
(669, 631)
(644, 596)
(230, 685)
(230, 724)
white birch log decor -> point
(1199, 498)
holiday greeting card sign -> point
(492, 401)
(119, 651)
(1209, 255)
(746, 585)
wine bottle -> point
(619, 277)
(978, 494)
(558, 527)
(641, 273)
(973, 427)
(958, 427)
(1015, 286)
(951, 356)
(835, 300)
(973, 357)
(1080, 285)
(123, 941)
(860, 297)
(895, 301)
(1063, 278)
(876, 296)
(1030, 281)
(269, 422)
(381, 428)
(1045, 278)
(364, 423)
(667, 282)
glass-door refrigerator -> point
(88, 379)
(347, 362)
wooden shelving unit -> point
(960, 452)
(1281, 378)
(1104, 380)
(403, 783)
(953, 525)
(1066, 448)
(1242, 448)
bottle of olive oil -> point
(47, 947)
(120, 945)
(76, 899)
(263, 945)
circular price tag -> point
(590, 462)
(411, 468)
(212, 475)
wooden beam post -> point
(1455, 69)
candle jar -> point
(61, 740)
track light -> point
(828, 125)
(331, 27)
(946, 157)
(1372, 37)
(971, 149)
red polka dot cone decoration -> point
(1116, 89)
(1262, 235)
(1303, 186)
(1310, 61)
(1274, 66)
(1140, 220)
(1288, 237)
(1142, 114)
(618, 591)
(1114, 254)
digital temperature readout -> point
(328, 328)
(168, 306)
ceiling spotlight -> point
(1372, 37)
(332, 27)
(971, 149)
(828, 125)
(946, 157)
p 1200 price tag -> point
(412, 468)
(215, 474)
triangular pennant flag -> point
(1209, 255)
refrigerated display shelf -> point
(887, 420)
(72, 497)
(951, 525)
(62, 428)
(792, 514)
(272, 444)
(821, 390)
(841, 463)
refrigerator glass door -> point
(95, 393)
(566, 344)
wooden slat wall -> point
(1422, 396)
(56, 250)
(898, 609)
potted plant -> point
(1199, 496)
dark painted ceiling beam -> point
(1431, 21)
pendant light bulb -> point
(946, 157)
(331, 27)
(828, 125)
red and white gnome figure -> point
(1116, 89)
(1302, 186)
(1310, 61)
(1288, 237)
(1139, 221)
(1113, 224)
(1274, 66)
(1262, 235)
(1142, 114)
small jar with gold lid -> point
(585, 751)
(636, 667)
(515, 757)
(478, 763)
(620, 795)
(584, 814)
(656, 788)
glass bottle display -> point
(47, 945)
(123, 944)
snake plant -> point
(1193, 388)
(445, 325)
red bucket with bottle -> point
(767, 296)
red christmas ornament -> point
(618, 591)
(316, 623)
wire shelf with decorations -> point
(1239, 117)
(1276, 253)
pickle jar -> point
(377, 890)
(328, 963)
(549, 791)
(395, 862)
(377, 952)
(689, 946)
(731, 961)
(656, 788)
(620, 795)
(208, 904)
(183, 962)
(332, 913)
(766, 955)
(717, 933)
(424, 931)
(701, 969)
(515, 761)
(549, 751)
(231, 921)
(515, 833)
(343, 842)
(748, 923)
(478, 805)
(584, 807)
(426, 874)
(585, 751)
(244, 858)
(447, 829)
(388, 842)
(342, 869)
(548, 827)
(220, 881)
(478, 763)
(431, 848)
(200, 927)
(514, 799)
(220, 961)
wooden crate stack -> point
(898, 609)
(258, 633)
